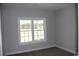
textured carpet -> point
(46, 52)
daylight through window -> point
(31, 30)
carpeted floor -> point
(46, 52)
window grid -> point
(25, 32)
(29, 34)
(38, 35)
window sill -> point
(32, 42)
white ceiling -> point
(45, 6)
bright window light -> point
(31, 30)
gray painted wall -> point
(0, 35)
(60, 28)
(65, 28)
(10, 28)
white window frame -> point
(34, 41)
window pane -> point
(35, 37)
(26, 33)
(41, 33)
(30, 38)
(38, 32)
(25, 30)
(26, 39)
(38, 29)
(22, 30)
(41, 21)
(25, 24)
(38, 35)
(22, 38)
(41, 27)
(35, 33)
(30, 33)
(21, 33)
(41, 37)
(38, 24)
(35, 25)
(21, 22)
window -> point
(38, 29)
(25, 30)
(32, 30)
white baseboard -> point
(66, 49)
(29, 50)
(40, 49)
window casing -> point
(32, 30)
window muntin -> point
(31, 30)
(38, 29)
(25, 30)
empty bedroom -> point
(38, 29)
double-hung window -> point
(32, 30)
